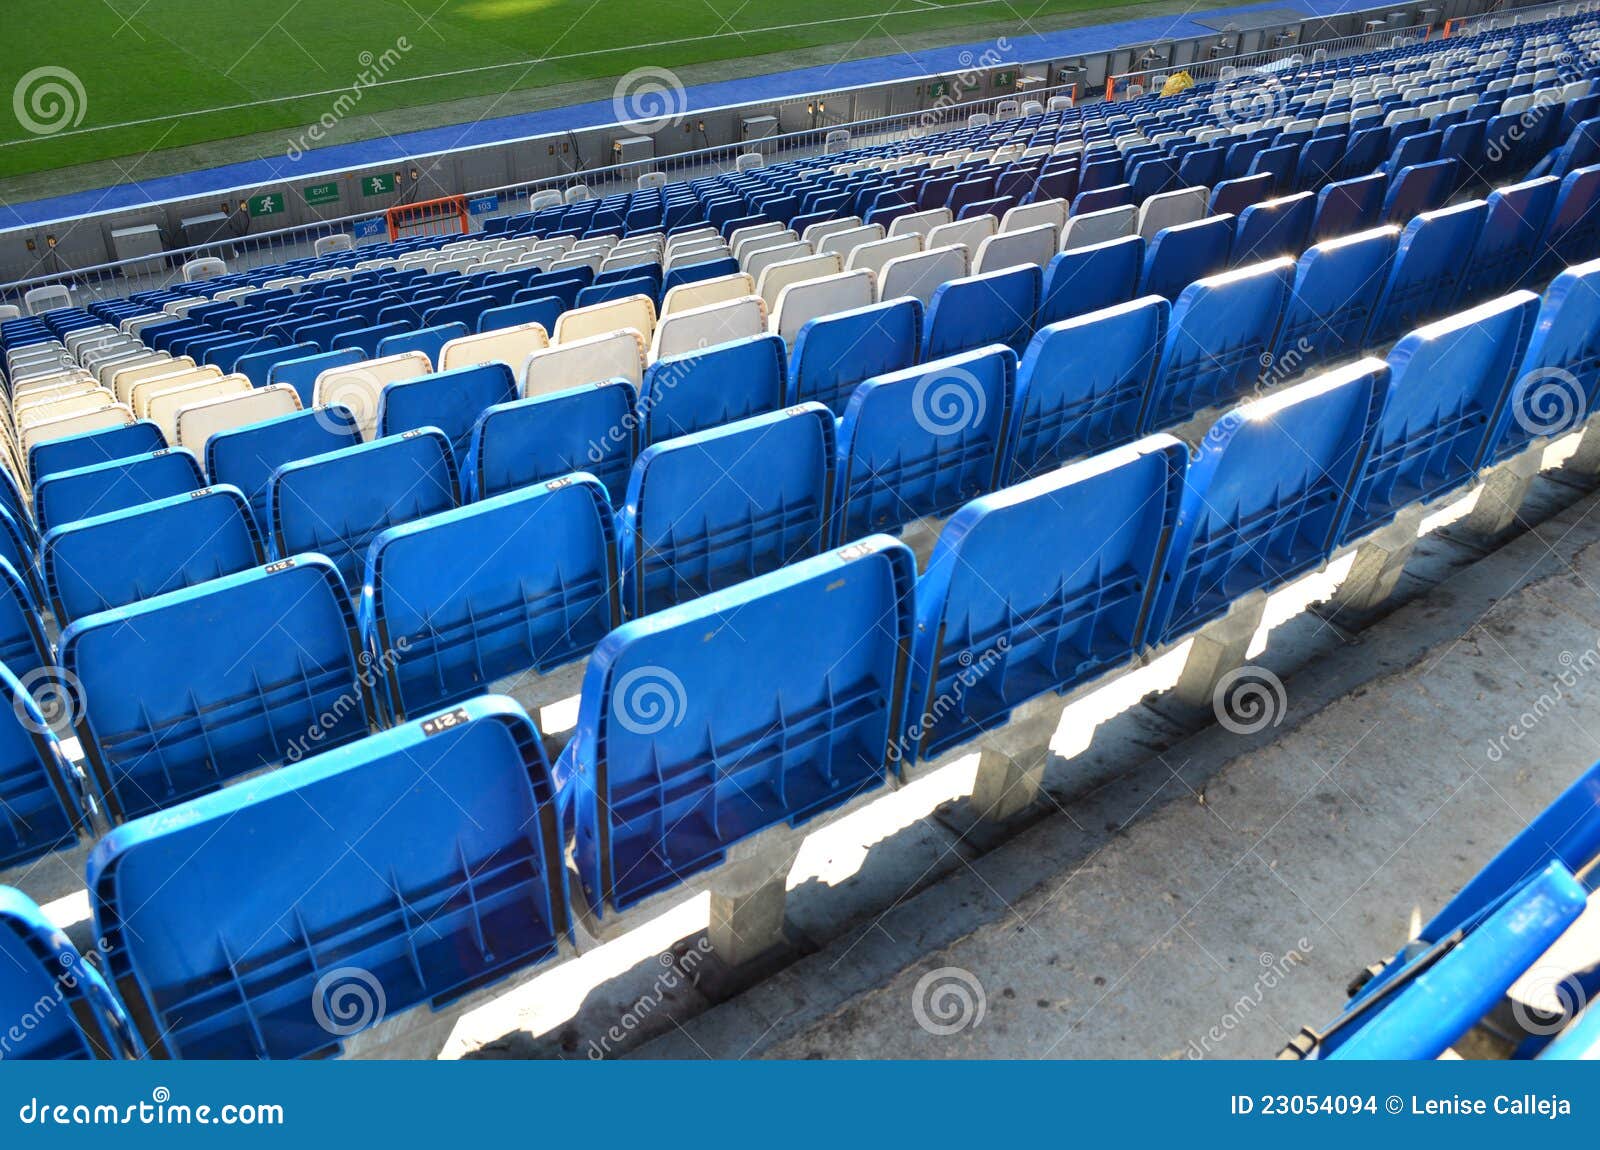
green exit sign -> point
(1005, 79)
(322, 193)
(268, 204)
(377, 185)
(938, 89)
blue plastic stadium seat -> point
(336, 503)
(1183, 253)
(1426, 275)
(833, 353)
(124, 556)
(1273, 228)
(24, 647)
(1573, 234)
(429, 341)
(1346, 206)
(41, 809)
(702, 389)
(1418, 188)
(711, 509)
(1221, 329)
(1038, 588)
(258, 365)
(91, 447)
(1336, 284)
(451, 400)
(61, 1007)
(1082, 385)
(190, 690)
(410, 867)
(593, 428)
(1090, 278)
(974, 311)
(1508, 248)
(519, 582)
(102, 487)
(301, 374)
(246, 457)
(1557, 384)
(1266, 494)
(709, 722)
(1230, 197)
(1447, 382)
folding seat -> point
(834, 353)
(198, 422)
(301, 374)
(922, 441)
(1089, 278)
(357, 386)
(1557, 384)
(1508, 246)
(102, 445)
(1082, 385)
(1273, 228)
(1035, 245)
(762, 252)
(451, 400)
(1265, 495)
(702, 293)
(1170, 209)
(1039, 588)
(67, 496)
(1429, 265)
(258, 365)
(1181, 254)
(1448, 381)
(1366, 150)
(635, 311)
(1348, 206)
(185, 692)
(1098, 227)
(1336, 284)
(140, 552)
(1040, 211)
(919, 276)
(659, 704)
(508, 345)
(456, 884)
(1318, 162)
(1221, 331)
(846, 240)
(617, 355)
(1233, 196)
(336, 503)
(519, 582)
(694, 328)
(720, 506)
(1418, 188)
(688, 393)
(246, 457)
(1573, 233)
(919, 223)
(772, 279)
(973, 311)
(594, 428)
(968, 233)
(63, 1008)
(24, 651)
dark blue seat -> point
(974, 311)
(90, 447)
(694, 273)
(301, 374)
(428, 340)
(1426, 275)
(258, 365)
(1230, 197)
(409, 868)
(101, 487)
(1447, 382)
(923, 441)
(707, 510)
(1573, 234)
(1557, 384)
(1221, 329)
(63, 1008)
(1039, 588)
(1273, 228)
(833, 353)
(1082, 385)
(140, 552)
(24, 648)
(1330, 307)
(702, 389)
(1090, 278)
(451, 400)
(1266, 494)
(188, 691)
(368, 339)
(1183, 253)
(336, 503)
(1508, 250)
(247, 456)
(1418, 188)
(593, 428)
(1347, 206)
(518, 582)
(707, 723)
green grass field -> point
(159, 74)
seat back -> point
(357, 386)
(197, 423)
(1336, 284)
(1346, 206)
(1036, 245)
(102, 445)
(68, 496)
(1090, 278)
(246, 457)
(616, 355)
(834, 353)
(971, 312)
(1168, 209)
(801, 302)
(450, 400)
(1507, 250)
(920, 275)
(1557, 384)
(634, 311)
(594, 428)
(1273, 228)
(1180, 255)
(64, 1009)
(1092, 228)
(508, 345)
(1426, 275)
(188, 691)
(691, 329)
(703, 389)
(702, 293)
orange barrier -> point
(445, 216)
